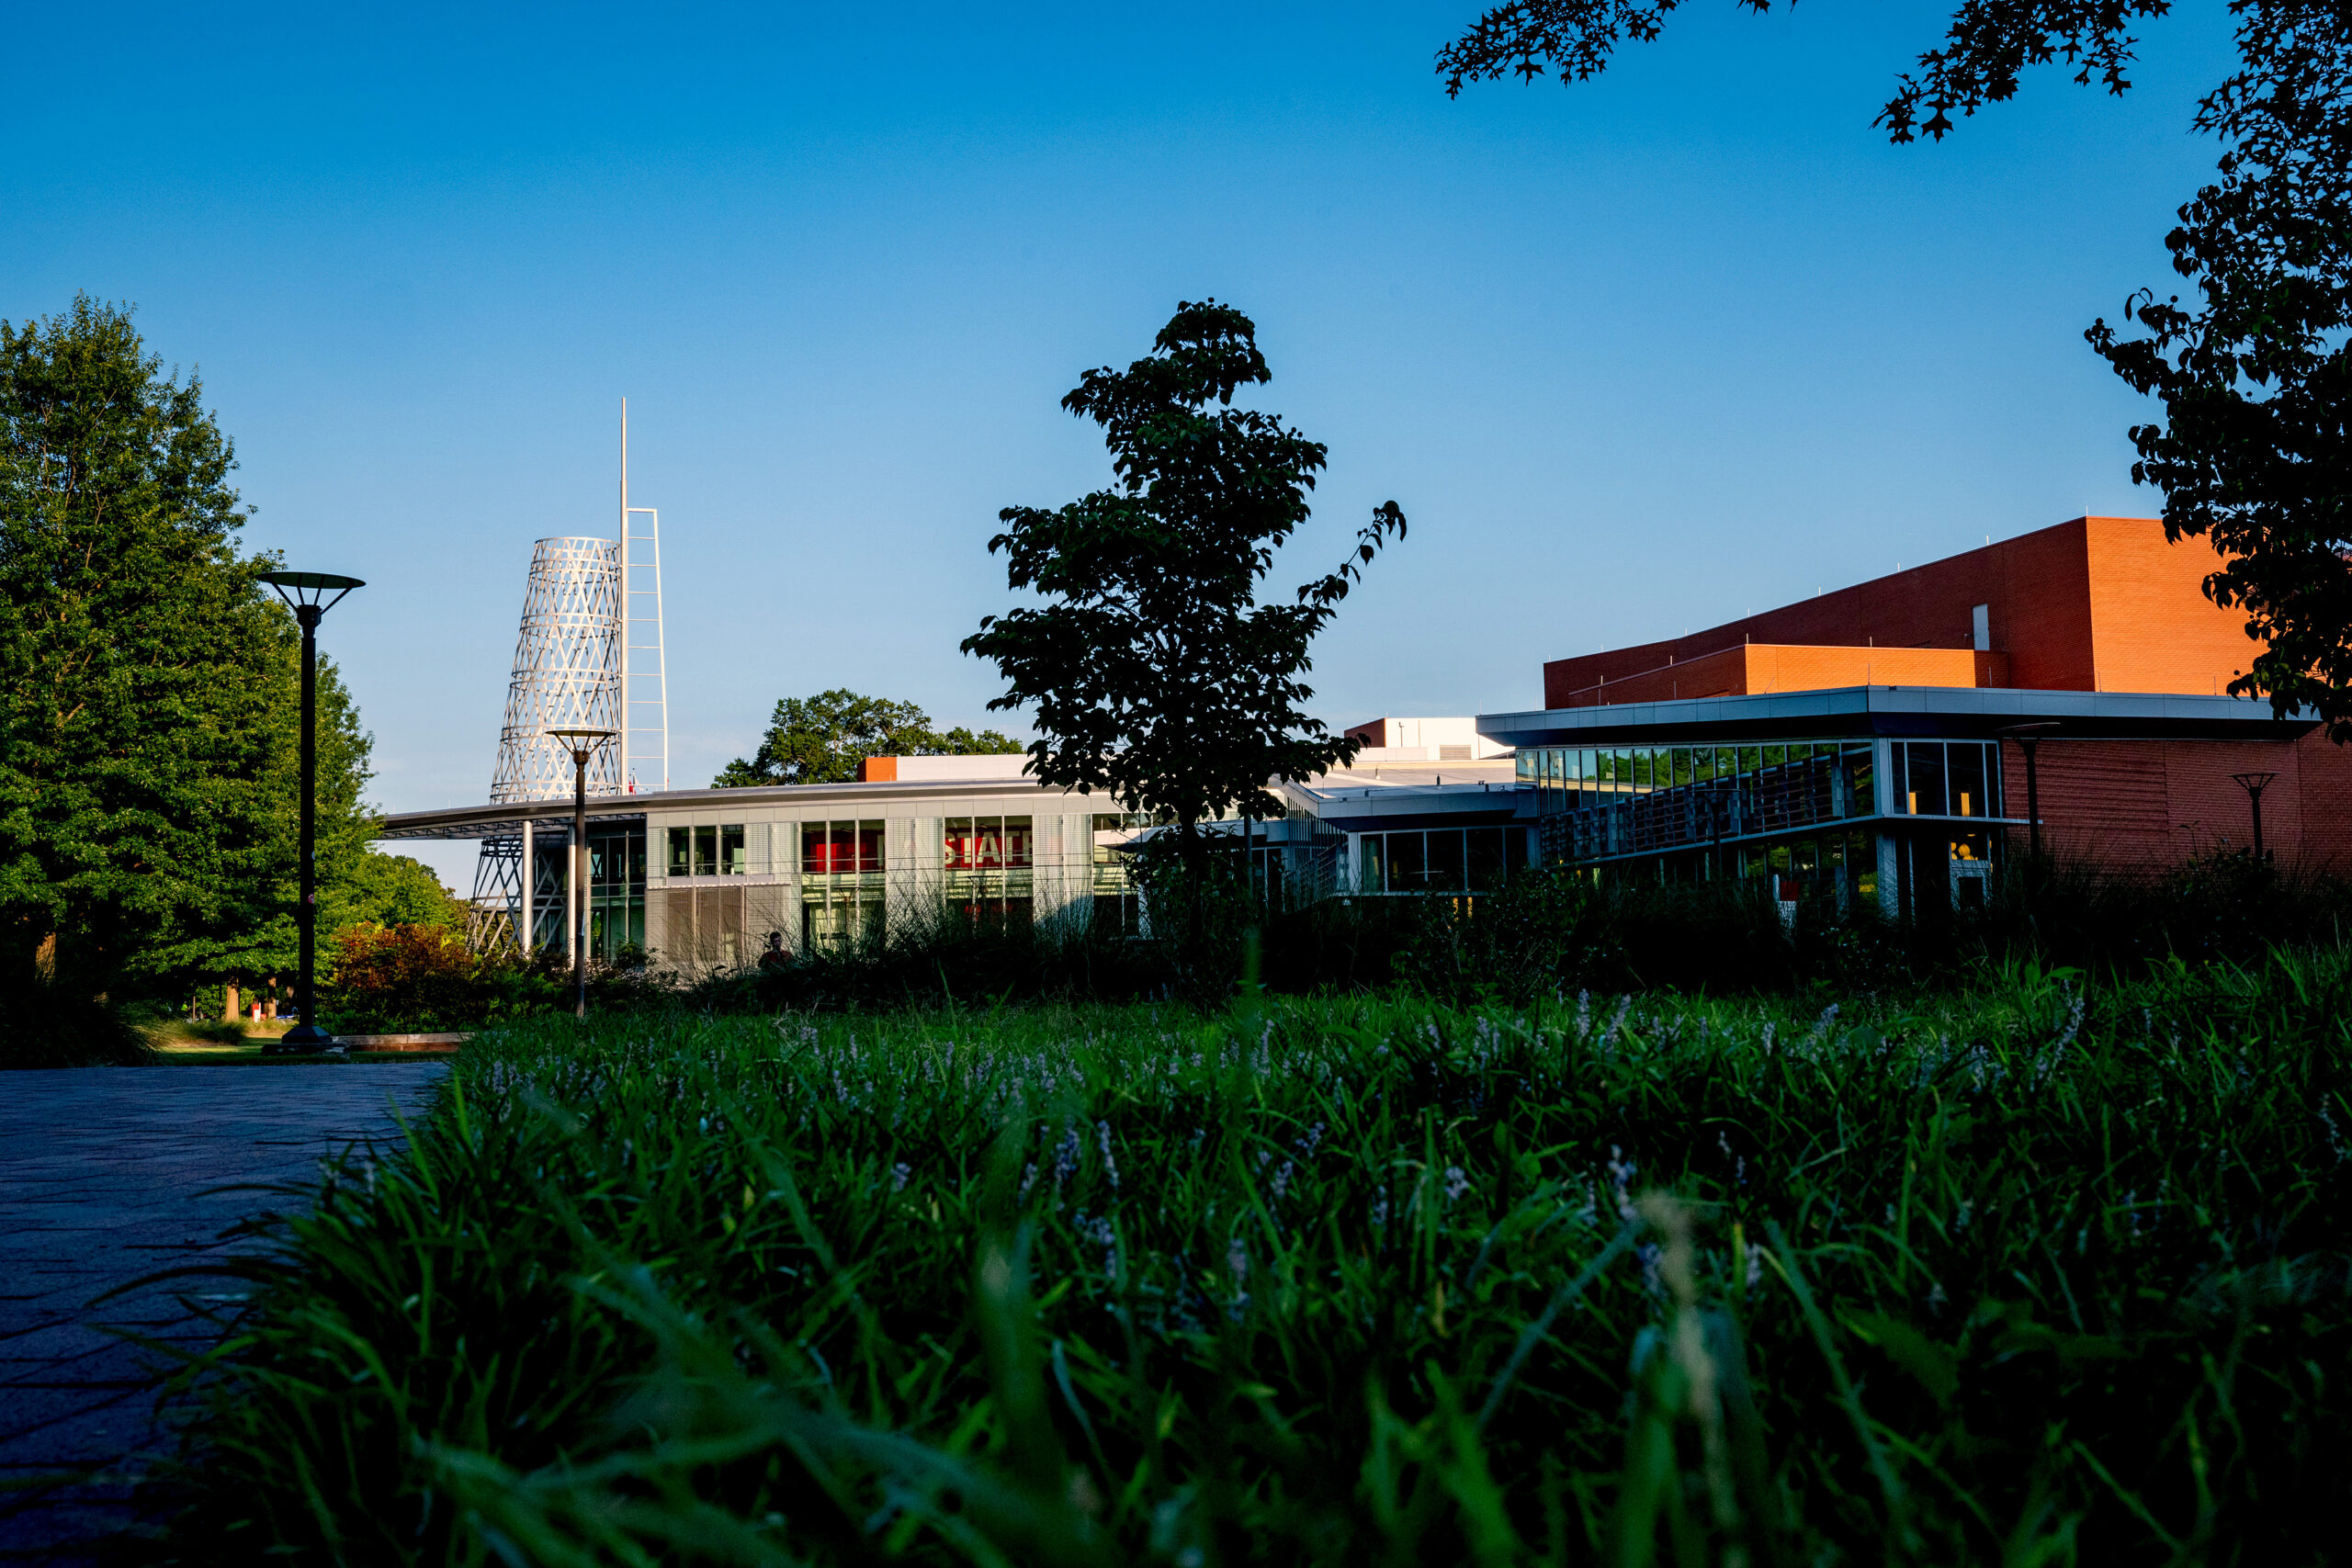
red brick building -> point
(1851, 741)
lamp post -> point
(305, 593)
(582, 744)
(2028, 736)
(2254, 785)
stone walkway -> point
(106, 1174)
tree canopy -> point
(2253, 377)
(821, 740)
(148, 685)
(1153, 670)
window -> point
(840, 882)
(706, 851)
(1485, 851)
(680, 852)
(1439, 860)
(732, 861)
(840, 849)
(1958, 778)
(615, 889)
(1964, 770)
(1925, 796)
(988, 865)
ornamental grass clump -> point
(2038, 1274)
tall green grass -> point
(2035, 1274)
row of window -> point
(1932, 778)
(1578, 776)
(1946, 778)
(1439, 860)
(853, 848)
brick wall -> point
(2098, 604)
(2141, 803)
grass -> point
(2025, 1274)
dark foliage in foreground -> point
(2034, 1277)
(55, 1023)
(1553, 934)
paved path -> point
(106, 1175)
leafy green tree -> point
(2255, 379)
(389, 890)
(1153, 672)
(147, 684)
(821, 740)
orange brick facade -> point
(2096, 605)
(1754, 668)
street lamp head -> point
(309, 590)
(2253, 783)
(580, 742)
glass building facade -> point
(1437, 860)
(841, 880)
(1807, 812)
(991, 863)
(615, 888)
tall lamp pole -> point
(2028, 736)
(582, 744)
(305, 593)
(2254, 785)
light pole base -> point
(302, 1040)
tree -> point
(389, 890)
(1154, 673)
(2254, 381)
(147, 685)
(821, 740)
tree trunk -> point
(229, 1003)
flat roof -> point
(486, 819)
(1397, 792)
(1858, 711)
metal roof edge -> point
(1895, 710)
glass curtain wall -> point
(990, 866)
(841, 880)
(615, 888)
(1437, 860)
(1605, 801)
(1946, 778)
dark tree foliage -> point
(821, 740)
(148, 687)
(2254, 378)
(1987, 44)
(1153, 672)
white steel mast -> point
(645, 661)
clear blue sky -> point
(1637, 356)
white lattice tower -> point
(568, 674)
(566, 671)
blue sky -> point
(1635, 356)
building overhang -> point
(853, 799)
(1861, 712)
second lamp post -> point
(582, 744)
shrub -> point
(398, 979)
(52, 1024)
